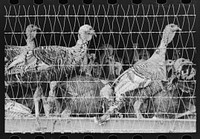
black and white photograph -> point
(100, 68)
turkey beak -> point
(189, 62)
(37, 28)
(178, 29)
(93, 32)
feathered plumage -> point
(63, 57)
(87, 64)
(22, 52)
(79, 95)
(16, 110)
(142, 73)
(11, 52)
(160, 103)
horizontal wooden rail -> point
(115, 125)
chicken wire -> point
(131, 32)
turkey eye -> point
(157, 51)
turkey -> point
(54, 63)
(141, 74)
(178, 101)
(186, 85)
(18, 56)
(78, 95)
(138, 94)
(62, 57)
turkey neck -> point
(159, 55)
(80, 48)
(30, 43)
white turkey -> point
(141, 74)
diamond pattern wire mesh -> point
(133, 31)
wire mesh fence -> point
(125, 35)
